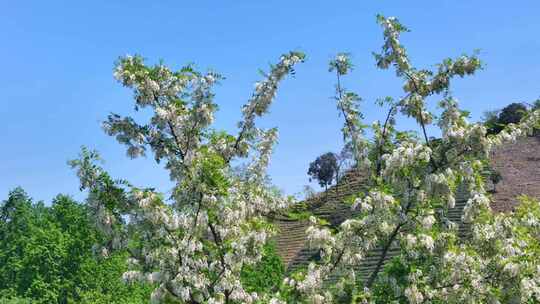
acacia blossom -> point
(194, 244)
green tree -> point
(496, 121)
(536, 105)
(512, 113)
(491, 121)
(324, 169)
(30, 249)
(46, 256)
(267, 274)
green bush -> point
(266, 275)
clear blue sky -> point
(57, 58)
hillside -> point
(518, 164)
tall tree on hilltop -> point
(324, 169)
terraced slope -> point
(519, 165)
(329, 205)
(292, 245)
(369, 264)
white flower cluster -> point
(320, 237)
(148, 83)
(514, 131)
(266, 89)
(440, 185)
(393, 51)
(414, 295)
(414, 243)
(477, 203)
(341, 63)
(407, 155)
(414, 106)
(530, 287)
(463, 139)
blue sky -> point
(57, 59)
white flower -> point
(410, 240)
(451, 201)
(512, 269)
(385, 228)
(427, 242)
(428, 221)
(131, 276)
(413, 295)
(153, 277)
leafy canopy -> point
(324, 169)
(46, 256)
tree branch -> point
(383, 139)
(176, 139)
(422, 122)
(386, 247)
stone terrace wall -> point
(519, 165)
(329, 205)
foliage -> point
(536, 105)
(46, 255)
(491, 121)
(105, 285)
(324, 169)
(495, 121)
(512, 113)
(14, 300)
(267, 274)
(299, 214)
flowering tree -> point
(412, 184)
(194, 245)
